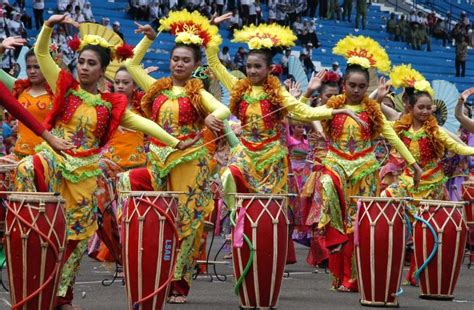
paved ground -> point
(303, 290)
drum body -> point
(468, 196)
(438, 279)
(380, 237)
(149, 246)
(264, 220)
(35, 240)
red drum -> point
(264, 220)
(150, 240)
(380, 235)
(35, 240)
(438, 279)
(468, 196)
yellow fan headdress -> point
(404, 76)
(265, 36)
(364, 52)
(95, 34)
(191, 28)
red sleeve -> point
(18, 111)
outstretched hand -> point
(216, 20)
(214, 123)
(295, 89)
(61, 19)
(383, 88)
(146, 30)
(12, 42)
(316, 81)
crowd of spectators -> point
(418, 28)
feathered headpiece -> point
(364, 52)
(191, 28)
(404, 76)
(265, 36)
(94, 34)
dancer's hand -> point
(214, 123)
(57, 144)
(186, 144)
(315, 82)
(216, 20)
(465, 94)
(151, 69)
(11, 43)
(146, 30)
(295, 89)
(354, 116)
(383, 89)
(60, 19)
(417, 176)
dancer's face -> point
(89, 69)
(422, 109)
(328, 92)
(33, 71)
(123, 83)
(183, 63)
(257, 69)
(356, 86)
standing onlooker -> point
(272, 11)
(240, 58)
(116, 29)
(439, 31)
(312, 36)
(361, 13)
(392, 27)
(62, 5)
(297, 28)
(224, 57)
(252, 13)
(284, 62)
(323, 8)
(245, 11)
(461, 56)
(235, 22)
(38, 8)
(220, 6)
(15, 26)
(78, 16)
(336, 69)
(312, 5)
(87, 12)
(347, 10)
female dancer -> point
(181, 105)
(420, 132)
(259, 162)
(32, 93)
(350, 165)
(126, 147)
(86, 118)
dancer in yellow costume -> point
(259, 162)
(33, 93)
(350, 167)
(420, 132)
(86, 118)
(180, 105)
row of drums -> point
(35, 241)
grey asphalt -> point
(302, 289)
